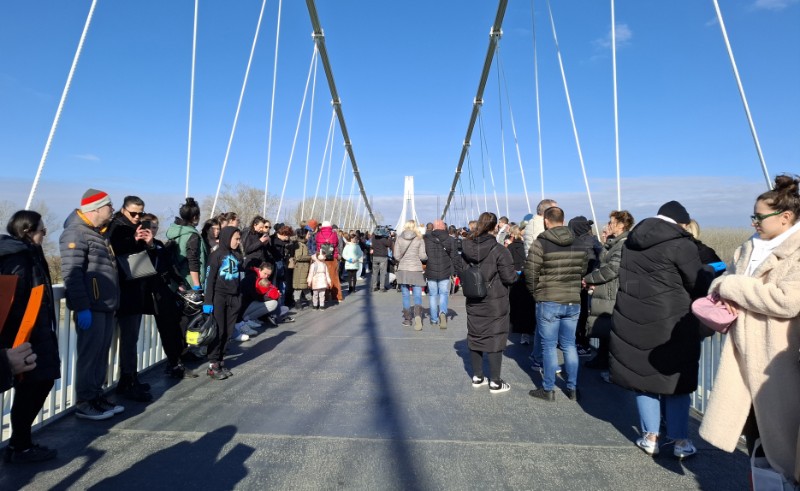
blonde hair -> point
(693, 228)
(412, 225)
(515, 232)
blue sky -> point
(407, 74)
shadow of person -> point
(202, 464)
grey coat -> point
(605, 280)
(88, 266)
(409, 250)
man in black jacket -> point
(553, 272)
(441, 250)
(381, 245)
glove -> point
(196, 287)
(350, 261)
(207, 309)
(84, 318)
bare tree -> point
(347, 215)
(246, 201)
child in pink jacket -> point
(319, 280)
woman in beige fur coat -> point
(759, 369)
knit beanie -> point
(312, 224)
(580, 225)
(676, 211)
(94, 199)
(326, 223)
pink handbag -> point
(713, 313)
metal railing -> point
(62, 396)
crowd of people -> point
(548, 279)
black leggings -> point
(29, 398)
(352, 277)
(495, 364)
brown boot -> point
(406, 317)
(418, 317)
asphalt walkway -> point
(347, 398)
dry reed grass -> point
(725, 240)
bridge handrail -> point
(149, 353)
(62, 396)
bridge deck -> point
(348, 398)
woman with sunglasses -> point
(757, 388)
(21, 255)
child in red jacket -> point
(261, 296)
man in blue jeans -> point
(442, 252)
(553, 272)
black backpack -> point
(327, 249)
(473, 284)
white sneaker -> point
(242, 338)
(650, 447)
(684, 449)
(498, 388)
(479, 381)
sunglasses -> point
(758, 218)
(135, 214)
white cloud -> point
(773, 4)
(88, 156)
(623, 35)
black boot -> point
(128, 389)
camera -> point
(147, 224)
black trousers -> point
(168, 323)
(226, 310)
(29, 397)
(495, 364)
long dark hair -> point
(23, 223)
(486, 223)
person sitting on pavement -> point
(260, 299)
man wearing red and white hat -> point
(92, 291)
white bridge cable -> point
(346, 209)
(308, 144)
(572, 118)
(616, 110)
(339, 187)
(494, 36)
(485, 146)
(61, 105)
(191, 97)
(477, 209)
(328, 146)
(272, 107)
(514, 131)
(296, 132)
(538, 113)
(742, 95)
(502, 127)
(238, 107)
(328, 178)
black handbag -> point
(136, 266)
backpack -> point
(473, 284)
(201, 330)
(327, 249)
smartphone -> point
(146, 224)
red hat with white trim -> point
(94, 199)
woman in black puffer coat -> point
(655, 340)
(21, 255)
(487, 318)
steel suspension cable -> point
(742, 95)
(538, 115)
(502, 128)
(346, 208)
(272, 107)
(328, 179)
(616, 110)
(310, 126)
(514, 132)
(572, 118)
(485, 146)
(61, 105)
(238, 107)
(296, 132)
(494, 36)
(339, 182)
(328, 146)
(191, 97)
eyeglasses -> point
(758, 218)
(135, 214)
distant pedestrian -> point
(319, 280)
(381, 248)
(353, 257)
(409, 251)
(442, 253)
(327, 241)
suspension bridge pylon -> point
(408, 204)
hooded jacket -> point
(409, 250)
(555, 266)
(327, 235)
(487, 318)
(26, 262)
(88, 266)
(224, 269)
(655, 340)
(605, 280)
(442, 255)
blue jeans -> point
(555, 324)
(676, 412)
(438, 292)
(406, 291)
